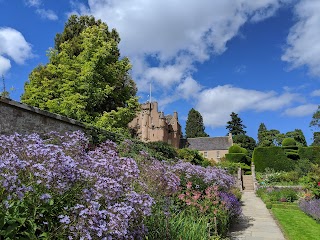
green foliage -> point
(271, 157)
(277, 194)
(312, 181)
(262, 128)
(270, 138)
(194, 125)
(84, 78)
(272, 178)
(316, 139)
(235, 125)
(315, 122)
(163, 148)
(246, 142)
(298, 136)
(235, 149)
(238, 158)
(288, 142)
(292, 155)
(192, 156)
(232, 167)
(312, 153)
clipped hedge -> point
(312, 153)
(238, 158)
(271, 157)
(235, 149)
(292, 155)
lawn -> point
(296, 224)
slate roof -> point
(208, 143)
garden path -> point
(256, 223)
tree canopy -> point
(315, 122)
(273, 137)
(246, 142)
(85, 78)
(235, 125)
(194, 125)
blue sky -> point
(260, 59)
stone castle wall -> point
(24, 119)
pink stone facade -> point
(152, 126)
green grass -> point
(296, 224)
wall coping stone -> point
(36, 110)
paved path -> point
(257, 222)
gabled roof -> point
(209, 143)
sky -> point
(259, 59)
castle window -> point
(205, 154)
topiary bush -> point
(271, 157)
(238, 158)
(235, 149)
(288, 142)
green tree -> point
(298, 136)
(85, 79)
(194, 125)
(315, 122)
(271, 138)
(316, 139)
(235, 125)
(246, 142)
(262, 128)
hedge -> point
(292, 155)
(238, 158)
(312, 153)
(271, 157)
(235, 149)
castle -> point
(151, 126)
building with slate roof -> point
(212, 148)
(152, 126)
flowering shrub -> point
(55, 188)
(203, 177)
(311, 207)
(222, 206)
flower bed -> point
(58, 188)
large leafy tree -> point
(316, 139)
(298, 136)
(85, 78)
(270, 138)
(235, 125)
(315, 123)
(194, 125)
(262, 128)
(246, 142)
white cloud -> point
(13, 46)
(169, 31)
(47, 14)
(315, 93)
(303, 47)
(43, 13)
(5, 65)
(217, 103)
(33, 3)
(189, 88)
(301, 111)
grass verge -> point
(296, 224)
